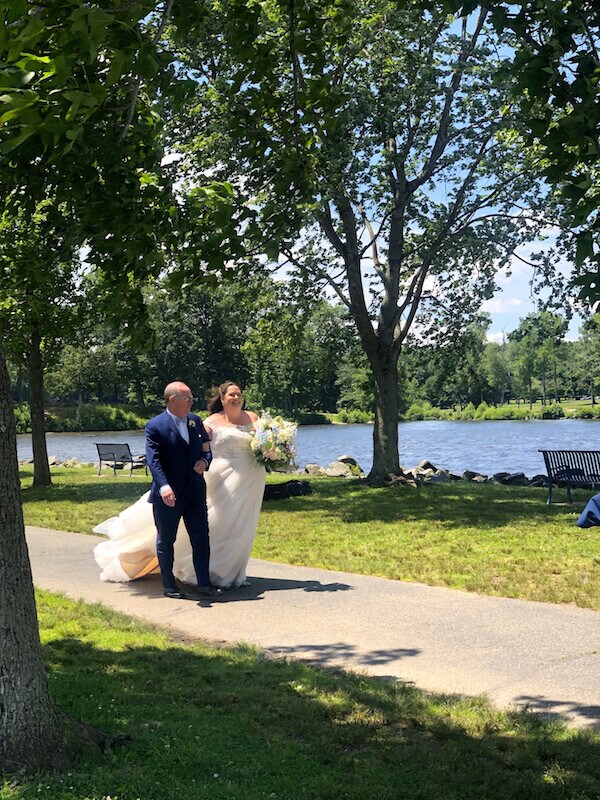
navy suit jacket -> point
(171, 459)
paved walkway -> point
(531, 655)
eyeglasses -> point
(184, 397)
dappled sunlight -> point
(231, 717)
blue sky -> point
(513, 302)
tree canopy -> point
(392, 141)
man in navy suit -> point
(178, 453)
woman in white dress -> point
(235, 484)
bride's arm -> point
(208, 426)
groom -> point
(178, 453)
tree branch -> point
(441, 139)
(138, 83)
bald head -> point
(176, 387)
(178, 398)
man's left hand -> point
(200, 466)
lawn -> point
(227, 723)
(492, 539)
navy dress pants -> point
(196, 522)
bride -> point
(235, 484)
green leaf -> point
(585, 247)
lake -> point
(483, 446)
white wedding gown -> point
(235, 484)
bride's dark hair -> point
(215, 404)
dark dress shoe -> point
(174, 594)
(210, 591)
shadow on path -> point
(557, 709)
(151, 587)
(330, 654)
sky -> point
(514, 301)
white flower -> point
(273, 442)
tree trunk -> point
(543, 388)
(20, 386)
(386, 462)
(29, 729)
(41, 469)
(78, 409)
(555, 377)
(139, 394)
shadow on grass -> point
(456, 504)
(228, 723)
(122, 492)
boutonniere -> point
(192, 423)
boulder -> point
(404, 480)
(422, 472)
(451, 476)
(539, 480)
(500, 477)
(53, 461)
(435, 477)
(427, 465)
(517, 479)
(314, 469)
(469, 475)
(348, 460)
(338, 469)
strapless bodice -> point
(232, 441)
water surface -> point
(483, 446)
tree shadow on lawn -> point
(487, 506)
(122, 493)
(228, 723)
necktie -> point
(183, 430)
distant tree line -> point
(296, 352)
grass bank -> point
(228, 723)
(492, 539)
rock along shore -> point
(347, 467)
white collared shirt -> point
(182, 426)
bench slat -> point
(573, 467)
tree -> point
(38, 284)
(540, 336)
(523, 358)
(392, 136)
(27, 713)
(555, 79)
(589, 355)
(77, 126)
(497, 370)
(290, 357)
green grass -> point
(492, 539)
(231, 724)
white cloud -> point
(500, 305)
(496, 337)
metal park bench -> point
(117, 456)
(572, 468)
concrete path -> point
(530, 655)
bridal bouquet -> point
(274, 442)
